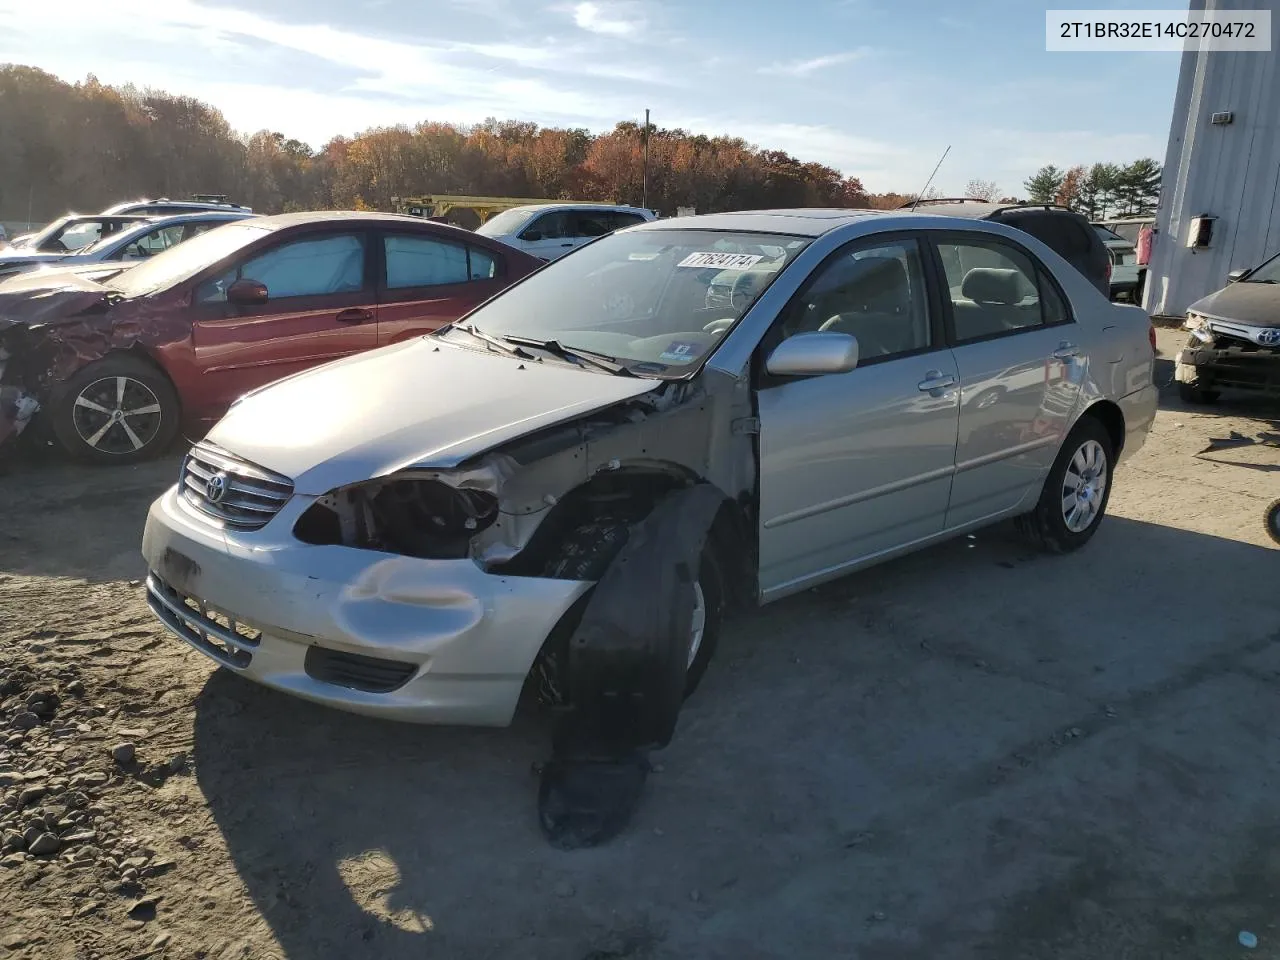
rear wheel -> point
(585, 554)
(119, 409)
(1075, 494)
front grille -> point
(212, 633)
(232, 490)
(370, 674)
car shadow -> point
(357, 837)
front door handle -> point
(354, 315)
(937, 380)
(1066, 351)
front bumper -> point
(1229, 364)
(427, 641)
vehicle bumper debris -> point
(628, 658)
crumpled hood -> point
(1252, 304)
(39, 298)
(422, 401)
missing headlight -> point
(414, 516)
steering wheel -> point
(718, 326)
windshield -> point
(1107, 235)
(186, 259)
(1269, 272)
(655, 301)
(507, 222)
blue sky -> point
(875, 88)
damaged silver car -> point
(695, 413)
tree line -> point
(86, 145)
(1101, 190)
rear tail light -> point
(1151, 335)
(1107, 274)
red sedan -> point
(116, 364)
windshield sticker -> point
(721, 261)
(679, 352)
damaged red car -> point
(113, 367)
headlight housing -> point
(418, 516)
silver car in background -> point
(125, 246)
(415, 532)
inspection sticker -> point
(721, 261)
(680, 352)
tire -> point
(1191, 393)
(585, 554)
(1047, 525)
(119, 409)
(1273, 521)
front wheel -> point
(1075, 494)
(1195, 394)
(585, 554)
(119, 409)
(1273, 521)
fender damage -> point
(52, 325)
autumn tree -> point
(1068, 194)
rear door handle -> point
(566, 244)
(937, 380)
(354, 315)
(1066, 351)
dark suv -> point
(1062, 230)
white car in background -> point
(550, 230)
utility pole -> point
(644, 188)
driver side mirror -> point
(247, 293)
(531, 235)
(1235, 275)
(814, 354)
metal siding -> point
(1231, 172)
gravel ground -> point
(975, 751)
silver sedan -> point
(763, 400)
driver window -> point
(590, 224)
(874, 291)
(148, 245)
(552, 226)
(304, 268)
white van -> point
(550, 230)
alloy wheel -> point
(1083, 486)
(117, 415)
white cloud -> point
(802, 68)
(590, 16)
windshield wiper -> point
(601, 360)
(493, 341)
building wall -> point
(1228, 171)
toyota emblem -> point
(1269, 337)
(215, 487)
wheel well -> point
(629, 494)
(1109, 415)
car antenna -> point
(920, 195)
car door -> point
(426, 281)
(321, 305)
(1021, 362)
(854, 465)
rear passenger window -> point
(621, 220)
(427, 262)
(994, 291)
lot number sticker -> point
(721, 261)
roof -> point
(801, 221)
(281, 220)
(579, 205)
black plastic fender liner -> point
(627, 664)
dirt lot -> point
(975, 751)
